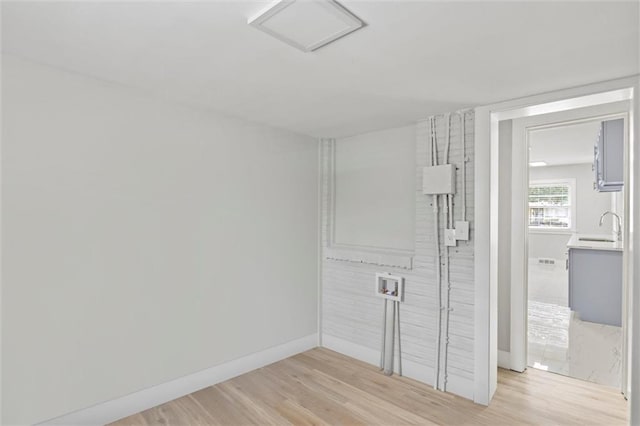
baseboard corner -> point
(504, 359)
(116, 409)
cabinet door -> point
(609, 156)
(595, 285)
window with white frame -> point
(552, 205)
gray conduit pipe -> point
(434, 162)
(464, 166)
(449, 218)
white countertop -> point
(578, 241)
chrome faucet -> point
(619, 233)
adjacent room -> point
(574, 248)
(320, 212)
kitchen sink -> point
(599, 240)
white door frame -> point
(522, 128)
(487, 219)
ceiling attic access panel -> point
(306, 25)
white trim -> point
(504, 359)
(631, 215)
(519, 244)
(422, 373)
(564, 100)
(136, 402)
(319, 245)
(359, 352)
(486, 219)
(485, 278)
(372, 257)
(381, 256)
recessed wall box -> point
(439, 179)
(389, 286)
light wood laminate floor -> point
(323, 387)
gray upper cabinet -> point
(609, 156)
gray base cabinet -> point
(595, 285)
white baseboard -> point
(127, 405)
(353, 350)
(504, 359)
(457, 385)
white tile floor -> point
(559, 341)
(549, 283)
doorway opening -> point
(499, 331)
(575, 248)
(554, 217)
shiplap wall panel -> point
(351, 311)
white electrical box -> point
(389, 286)
(439, 179)
(450, 237)
(462, 230)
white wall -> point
(375, 189)
(590, 204)
(352, 314)
(142, 240)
